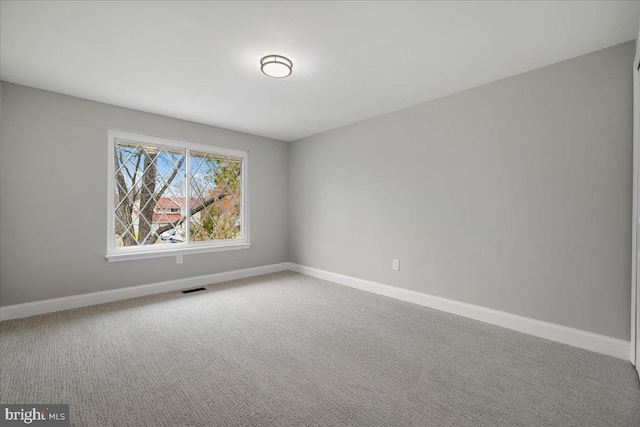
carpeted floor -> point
(289, 350)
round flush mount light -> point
(276, 66)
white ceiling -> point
(199, 61)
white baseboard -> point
(575, 337)
(65, 303)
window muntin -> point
(146, 177)
(215, 182)
(172, 196)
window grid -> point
(211, 181)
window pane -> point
(149, 194)
(215, 197)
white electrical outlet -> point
(395, 265)
(178, 259)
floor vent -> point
(188, 291)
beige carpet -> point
(289, 350)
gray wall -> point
(515, 195)
(53, 181)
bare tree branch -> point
(192, 212)
(135, 171)
(124, 204)
(147, 194)
(171, 178)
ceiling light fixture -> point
(276, 66)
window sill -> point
(130, 256)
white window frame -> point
(115, 253)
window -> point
(168, 197)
